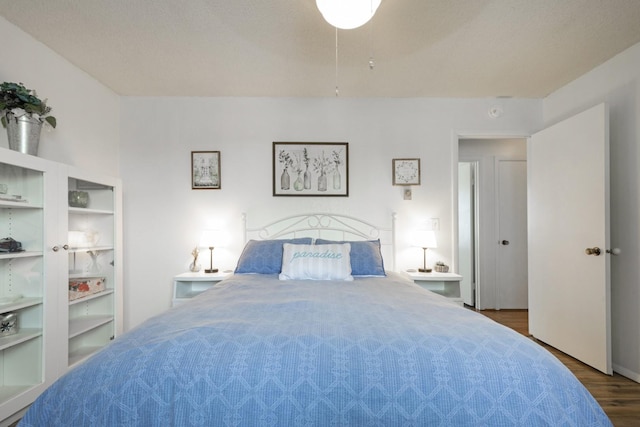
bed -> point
(282, 349)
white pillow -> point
(316, 262)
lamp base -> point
(425, 270)
(211, 270)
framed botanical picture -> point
(406, 171)
(311, 169)
(205, 170)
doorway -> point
(492, 241)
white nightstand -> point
(188, 285)
(446, 284)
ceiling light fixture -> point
(347, 14)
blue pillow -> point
(265, 256)
(366, 258)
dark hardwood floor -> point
(618, 396)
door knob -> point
(504, 242)
(592, 251)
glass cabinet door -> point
(92, 272)
(23, 294)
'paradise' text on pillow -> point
(316, 262)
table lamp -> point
(209, 239)
(425, 239)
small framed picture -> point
(205, 170)
(406, 171)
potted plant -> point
(23, 114)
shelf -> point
(23, 335)
(19, 205)
(202, 277)
(435, 276)
(10, 391)
(24, 254)
(20, 304)
(82, 353)
(87, 275)
(190, 294)
(91, 248)
(83, 211)
(81, 325)
(92, 296)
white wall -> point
(164, 216)
(616, 82)
(87, 112)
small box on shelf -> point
(80, 288)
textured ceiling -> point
(420, 48)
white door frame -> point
(455, 141)
(473, 281)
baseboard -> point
(634, 376)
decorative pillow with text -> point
(316, 262)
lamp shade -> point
(425, 239)
(210, 238)
(347, 14)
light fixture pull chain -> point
(371, 62)
(337, 91)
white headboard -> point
(327, 226)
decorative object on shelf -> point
(195, 266)
(80, 288)
(209, 239)
(95, 265)
(8, 244)
(8, 324)
(78, 199)
(83, 239)
(13, 198)
(311, 169)
(406, 171)
(23, 114)
(205, 170)
(425, 239)
(441, 267)
(347, 15)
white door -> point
(511, 256)
(568, 200)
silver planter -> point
(24, 133)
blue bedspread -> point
(256, 351)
